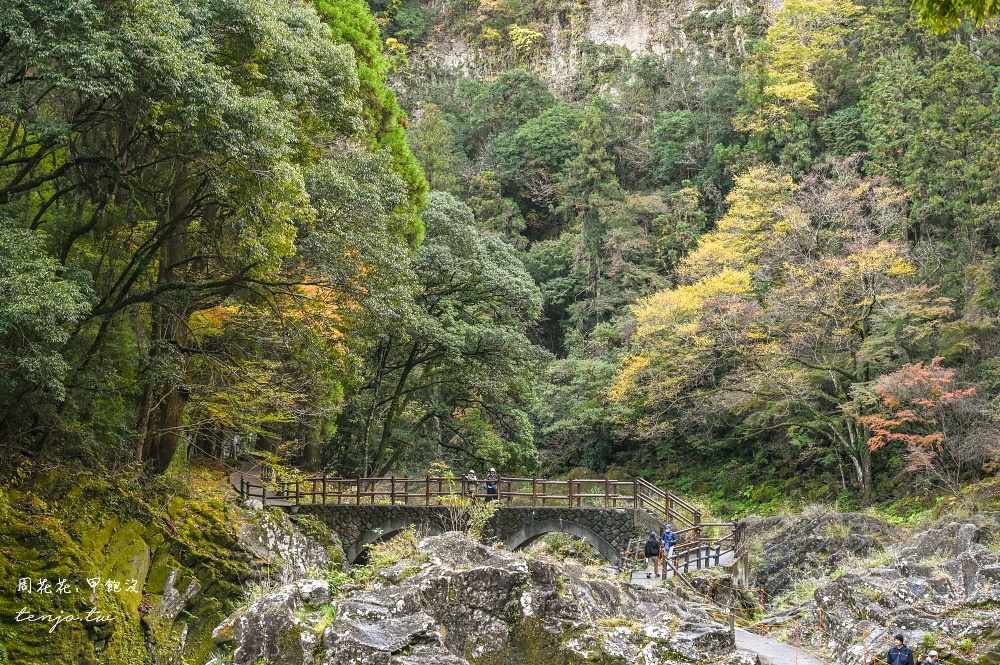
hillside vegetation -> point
(745, 250)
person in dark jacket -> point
(652, 552)
(492, 485)
(899, 653)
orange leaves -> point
(911, 398)
(323, 309)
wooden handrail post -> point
(296, 492)
(427, 491)
(607, 496)
(569, 492)
(635, 493)
(534, 491)
(499, 490)
(357, 488)
(324, 489)
(392, 490)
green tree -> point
(502, 106)
(434, 147)
(37, 304)
(943, 15)
(591, 200)
(351, 23)
(532, 156)
(456, 374)
(160, 153)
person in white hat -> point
(932, 657)
(492, 485)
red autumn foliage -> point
(912, 397)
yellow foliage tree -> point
(794, 302)
(805, 32)
(757, 206)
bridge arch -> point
(383, 531)
(534, 530)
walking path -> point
(773, 652)
(250, 472)
(639, 576)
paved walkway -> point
(773, 652)
(250, 472)
(639, 576)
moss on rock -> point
(90, 529)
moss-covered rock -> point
(169, 569)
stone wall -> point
(608, 530)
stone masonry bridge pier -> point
(609, 531)
(608, 514)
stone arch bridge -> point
(607, 514)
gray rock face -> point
(466, 603)
(273, 627)
(942, 583)
(292, 554)
(819, 542)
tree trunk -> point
(164, 397)
(861, 456)
(162, 413)
(311, 457)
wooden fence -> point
(595, 493)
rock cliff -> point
(851, 582)
(457, 602)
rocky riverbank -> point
(453, 601)
(848, 582)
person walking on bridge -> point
(652, 552)
(492, 485)
(899, 653)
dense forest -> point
(757, 263)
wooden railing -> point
(601, 493)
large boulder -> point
(290, 553)
(937, 586)
(460, 603)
